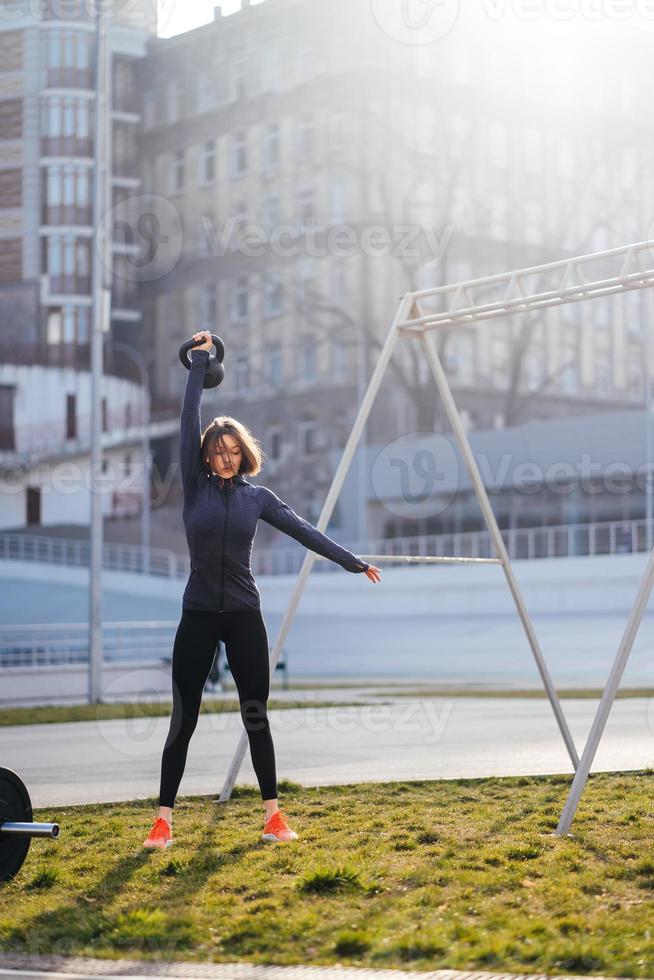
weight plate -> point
(15, 804)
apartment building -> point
(354, 167)
(305, 169)
(47, 109)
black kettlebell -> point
(215, 371)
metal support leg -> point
(608, 697)
(480, 490)
(325, 514)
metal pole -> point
(498, 542)
(100, 312)
(608, 698)
(325, 514)
(646, 307)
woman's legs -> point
(246, 646)
(193, 650)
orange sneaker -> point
(160, 836)
(276, 828)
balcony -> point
(116, 363)
(67, 215)
(126, 102)
(64, 10)
(69, 285)
(66, 146)
(82, 78)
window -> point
(205, 91)
(569, 378)
(239, 155)
(83, 325)
(274, 440)
(270, 70)
(604, 375)
(178, 173)
(533, 149)
(208, 162)
(306, 283)
(272, 295)
(307, 370)
(53, 331)
(69, 325)
(307, 139)
(240, 300)
(127, 463)
(499, 357)
(175, 100)
(271, 149)
(337, 132)
(71, 417)
(307, 438)
(208, 307)
(83, 119)
(338, 359)
(271, 214)
(241, 379)
(105, 415)
(497, 145)
(149, 109)
(275, 365)
(307, 207)
(533, 227)
(239, 82)
(497, 214)
(338, 202)
(465, 358)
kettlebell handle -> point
(215, 372)
(188, 346)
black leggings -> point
(246, 644)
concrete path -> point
(14, 967)
(394, 739)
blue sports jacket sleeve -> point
(190, 423)
(283, 517)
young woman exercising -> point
(221, 600)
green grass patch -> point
(57, 713)
(460, 874)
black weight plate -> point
(15, 804)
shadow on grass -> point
(85, 923)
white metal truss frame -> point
(556, 283)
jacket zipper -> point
(222, 583)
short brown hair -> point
(252, 454)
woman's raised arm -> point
(190, 423)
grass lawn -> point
(57, 713)
(463, 874)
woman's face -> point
(225, 457)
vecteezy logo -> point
(416, 475)
(150, 227)
(415, 21)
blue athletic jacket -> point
(220, 519)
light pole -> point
(101, 314)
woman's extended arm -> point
(190, 424)
(274, 511)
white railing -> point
(560, 541)
(57, 644)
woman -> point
(221, 601)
